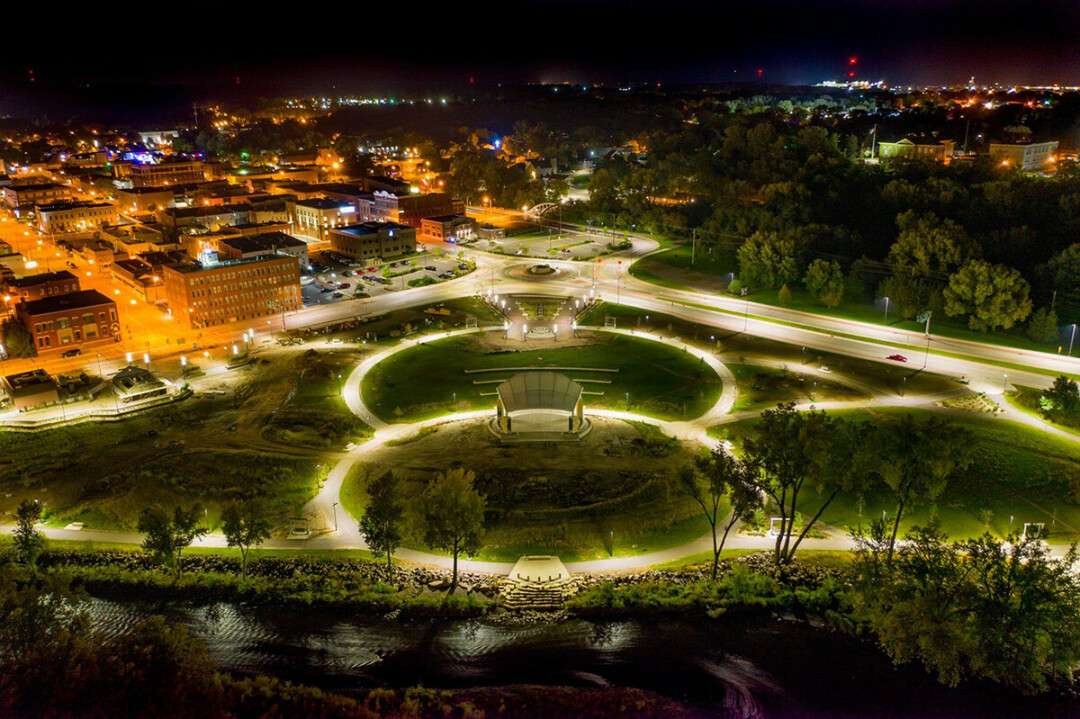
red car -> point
(897, 358)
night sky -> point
(359, 47)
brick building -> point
(40, 286)
(217, 293)
(76, 319)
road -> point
(981, 365)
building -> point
(40, 286)
(315, 216)
(216, 293)
(27, 390)
(208, 218)
(1029, 157)
(170, 171)
(145, 199)
(131, 240)
(139, 276)
(133, 384)
(540, 405)
(22, 199)
(76, 319)
(916, 148)
(447, 228)
(261, 245)
(56, 218)
(407, 208)
(373, 242)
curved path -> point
(609, 280)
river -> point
(727, 668)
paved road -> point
(608, 280)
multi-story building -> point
(1029, 157)
(916, 148)
(215, 293)
(210, 218)
(145, 199)
(407, 208)
(36, 287)
(448, 228)
(77, 319)
(23, 198)
(170, 171)
(314, 217)
(371, 242)
(267, 243)
(134, 240)
(57, 218)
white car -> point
(336, 341)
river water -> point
(727, 668)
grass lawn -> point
(430, 380)
(263, 436)
(544, 503)
(314, 413)
(1018, 475)
(764, 387)
(1026, 399)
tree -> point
(793, 452)
(17, 340)
(784, 295)
(1062, 399)
(825, 281)
(167, 537)
(451, 515)
(928, 244)
(916, 461)
(1003, 610)
(709, 481)
(245, 525)
(992, 296)
(1043, 326)
(381, 522)
(768, 259)
(29, 542)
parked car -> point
(337, 295)
(431, 268)
(73, 352)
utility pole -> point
(693, 248)
(925, 317)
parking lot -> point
(335, 278)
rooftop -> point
(322, 203)
(40, 279)
(70, 301)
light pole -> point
(1004, 382)
(1071, 338)
(886, 311)
(334, 507)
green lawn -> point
(1018, 475)
(764, 387)
(628, 506)
(1026, 399)
(430, 380)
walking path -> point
(324, 507)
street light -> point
(1004, 382)
(334, 507)
(886, 311)
(1071, 338)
